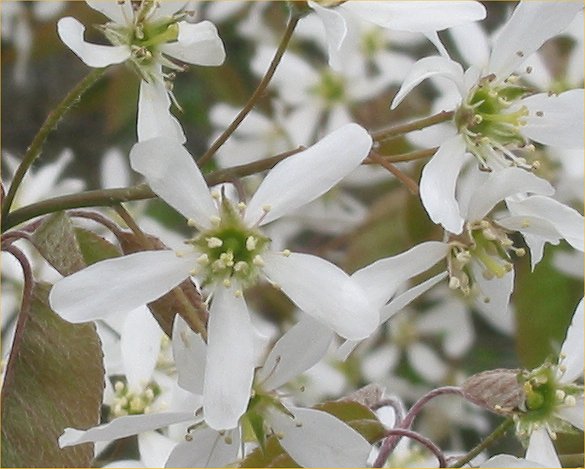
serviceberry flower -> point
(148, 35)
(228, 254)
(496, 113)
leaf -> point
(93, 247)
(56, 241)
(54, 379)
(273, 455)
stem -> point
(410, 184)
(391, 442)
(432, 447)
(112, 197)
(498, 433)
(404, 157)
(34, 149)
(391, 132)
(98, 218)
(292, 24)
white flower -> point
(148, 36)
(494, 116)
(229, 254)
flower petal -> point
(541, 449)
(207, 448)
(71, 33)
(336, 30)
(116, 11)
(230, 361)
(295, 352)
(173, 175)
(189, 353)
(573, 349)
(154, 448)
(530, 26)
(556, 120)
(323, 291)
(305, 176)
(154, 114)
(198, 44)
(317, 439)
(417, 16)
(381, 279)
(574, 415)
(502, 184)
(122, 427)
(119, 285)
(426, 362)
(496, 295)
(505, 460)
(438, 182)
(427, 68)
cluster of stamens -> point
(488, 246)
(229, 251)
(490, 120)
(331, 88)
(127, 402)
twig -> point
(410, 184)
(385, 134)
(432, 447)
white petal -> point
(140, 344)
(426, 363)
(438, 183)
(498, 291)
(317, 439)
(207, 449)
(119, 285)
(561, 122)
(472, 43)
(531, 25)
(541, 449)
(123, 427)
(427, 68)
(305, 176)
(336, 32)
(567, 221)
(502, 184)
(154, 114)
(505, 460)
(230, 361)
(71, 33)
(295, 352)
(417, 16)
(381, 279)
(173, 175)
(198, 44)
(573, 349)
(117, 12)
(189, 353)
(323, 291)
(154, 448)
(574, 415)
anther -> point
(251, 243)
(216, 195)
(286, 253)
(560, 395)
(214, 242)
(203, 259)
(570, 401)
(258, 261)
(227, 282)
(539, 113)
(266, 208)
(238, 293)
(215, 220)
(454, 283)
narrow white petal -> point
(325, 292)
(140, 344)
(154, 114)
(541, 449)
(295, 352)
(154, 448)
(427, 68)
(71, 33)
(438, 183)
(123, 427)
(189, 353)
(119, 285)
(417, 16)
(531, 25)
(305, 176)
(381, 279)
(574, 415)
(426, 362)
(198, 44)
(317, 439)
(173, 175)
(117, 12)
(532, 225)
(502, 184)
(573, 349)
(566, 220)
(556, 120)
(505, 460)
(472, 43)
(230, 361)
(497, 292)
(336, 29)
(207, 449)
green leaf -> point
(273, 455)
(54, 379)
(56, 241)
(93, 247)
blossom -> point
(495, 114)
(230, 253)
(148, 36)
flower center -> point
(488, 246)
(331, 88)
(128, 402)
(490, 119)
(230, 250)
